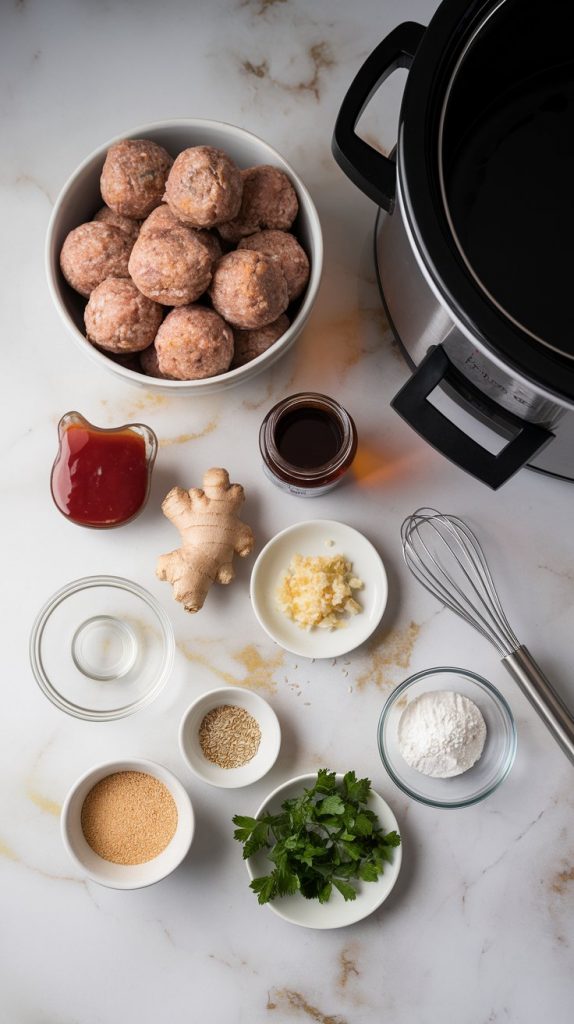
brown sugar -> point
(229, 736)
(129, 817)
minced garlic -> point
(318, 591)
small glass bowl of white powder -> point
(447, 737)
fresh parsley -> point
(321, 840)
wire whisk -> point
(445, 556)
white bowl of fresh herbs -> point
(323, 850)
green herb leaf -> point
(391, 839)
(310, 853)
(363, 825)
(347, 891)
(245, 827)
(264, 887)
(324, 894)
(356, 789)
(353, 850)
(326, 781)
(287, 881)
(256, 840)
(369, 872)
(346, 870)
(330, 805)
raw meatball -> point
(171, 267)
(194, 342)
(149, 364)
(162, 219)
(285, 249)
(119, 318)
(93, 252)
(269, 201)
(134, 176)
(248, 289)
(204, 187)
(250, 344)
(107, 216)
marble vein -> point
(288, 999)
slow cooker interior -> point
(507, 162)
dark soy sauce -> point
(511, 197)
(308, 438)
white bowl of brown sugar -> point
(230, 737)
(127, 824)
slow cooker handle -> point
(411, 403)
(368, 169)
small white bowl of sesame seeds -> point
(230, 737)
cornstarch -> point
(441, 733)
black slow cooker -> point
(475, 231)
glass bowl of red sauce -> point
(101, 476)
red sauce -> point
(100, 478)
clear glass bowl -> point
(497, 756)
(101, 648)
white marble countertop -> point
(479, 926)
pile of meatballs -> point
(196, 238)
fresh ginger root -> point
(211, 533)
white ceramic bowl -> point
(263, 760)
(337, 913)
(80, 199)
(126, 876)
(312, 538)
(260, 764)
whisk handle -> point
(547, 703)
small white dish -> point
(337, 913)
(126, 876)
(319, 537)
(260, 763)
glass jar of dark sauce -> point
(307, 441)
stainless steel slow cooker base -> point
(419, 323)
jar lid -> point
(101, 648)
